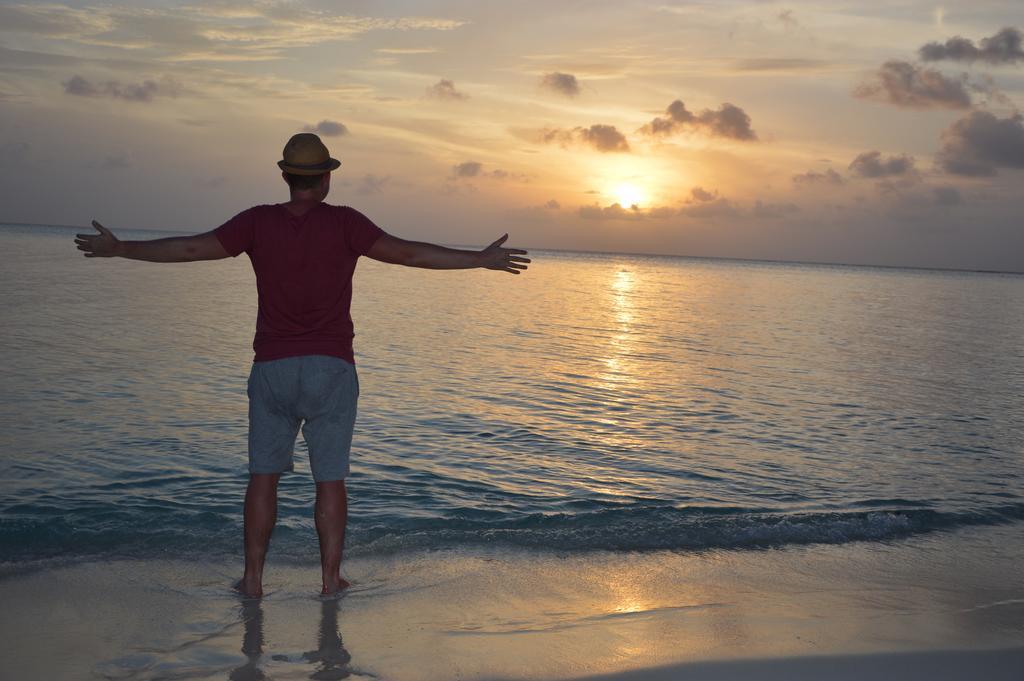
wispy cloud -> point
(132, 92)
(203, 31)
(782, 64)
(406, 50)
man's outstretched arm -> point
(173, 249)
(397, 251)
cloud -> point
(909, 85)
(716, 208)
(563, 83)
(617, 212)
(372, 184)
(947, 196)
(498, 173)
(476, 169)
(788, 19)
(15, 151)
(406, 50)
(467, 169)
(49, 20)
(445, 89)
(80, 86)
(772, 211)
(552, 205)
(728, 121)
(707, 205)
(662, 212)
(871, 164)
(811, 177)
(210, 183)
(115, 161)
(131, 92)
(781, 64)
(1002, 48)
(328, 128)
(612, 212)
(980, 143)
(604, 138)
(701, 195)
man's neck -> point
(301, 202)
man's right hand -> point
(495, 257)
(397, 251)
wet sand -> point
(943, 665)
(944, 606)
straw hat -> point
(305, 154)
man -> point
(304, 253)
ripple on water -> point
(615, 402)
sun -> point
(628, 195)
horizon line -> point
(773, 261)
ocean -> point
(596, 403)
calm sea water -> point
(596, 402)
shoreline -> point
(823, 611)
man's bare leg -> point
(331, 517)
(260, 517)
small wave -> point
(654, 528)
(635, 527)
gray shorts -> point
(318, 393)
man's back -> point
(304, 253)
(304, 265)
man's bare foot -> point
(334, 586)
(249, 588)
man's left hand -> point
(102, 245)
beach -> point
(931, 608)
(793, 471)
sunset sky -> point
(860, 132)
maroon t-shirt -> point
(304, 266)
